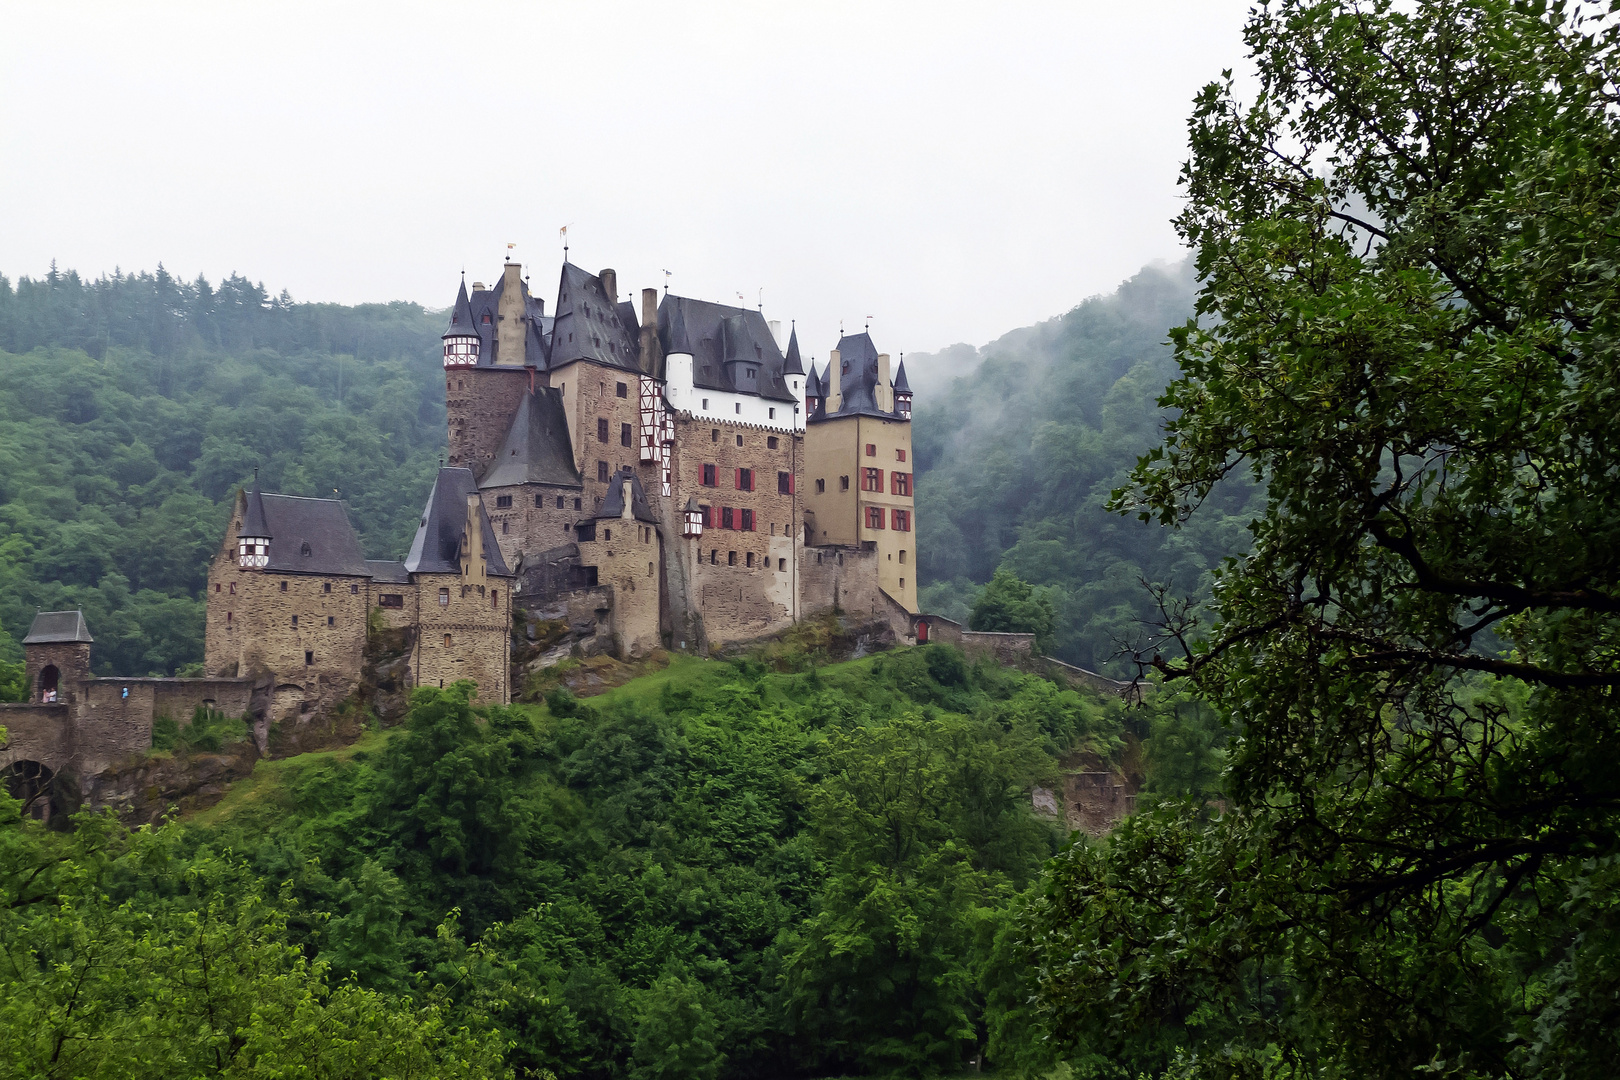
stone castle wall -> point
(590, 393)
(72, 662)
(465, 633)
(626, 554)
(533, 521)
(479, 406)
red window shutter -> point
(739, 479)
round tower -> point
(461, 337)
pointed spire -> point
(793, 366)
(812, 385)
(254, 522)
(461, 316)
(900, 384)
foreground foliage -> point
(1408, 335)
(715, 872)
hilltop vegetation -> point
(1016, 460)
(131, 406)
(717, 871)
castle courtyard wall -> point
(467, 636)
(626, 554)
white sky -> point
(954, 170)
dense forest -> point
(131, 406)
(724, 870)
(1017, 457)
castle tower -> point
(493, 348)
(56, 657)
(902, 392)
(857, 466)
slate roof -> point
(792, 365)
(436, 548)
(387, 572)
(613, 503)
(485, 303)
(590, 325)
(857, 380)
(724, 342)
(537, 449)
(812, 385)
(320, 526)
(900, 384)
(57, 627)
(253, 520)
(461, 315)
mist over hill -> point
(1018, 445)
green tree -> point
(1407, 334)
(1010, 605)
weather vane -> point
(563, 232)
(666, 282)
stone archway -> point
(33, 785)
(50, 684)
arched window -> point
(50, 679)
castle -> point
(668, 476)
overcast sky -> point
(952, 170)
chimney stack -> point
(835, 383)
(885, 389)
(650, 348)
(610, 285)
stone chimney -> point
(474, 564)
(511, 319)
(610, 285)
(651, 350)
(629, 510)
(885, 389)
(834, 382)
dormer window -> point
(303, 549)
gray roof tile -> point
(311, 536)
(56, 627)
(436, 548)
(537, 449)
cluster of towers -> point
(665, 474)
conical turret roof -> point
(254, 522)
(812, 385)
(461, 316)
(900, 384)
(792, 365)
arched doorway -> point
(49, 683)
(33, 785)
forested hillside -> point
(130, 406)
(715, 872)
(1017, 457)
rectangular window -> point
(228, 615)
(601, 429)
(731, 558)
(233, 588)
(781, 564)
(354, 590)
(714, 556)
(874, 517)
(620, 390)
(710, 475)
(750, 559)
(821, 487)
(899, 455)
(503, 502)
(901, 522)
(871, 449)
(900, 483)
(601, 475)
(331, 621)
(714, 433)
(391, 600)
(706, 405)
(745, 479)
(295, 620)
(843, 483)
(444, 597)
(747, 523)
(447, 641)
(771, 416)
(326, 586)
(576, 504)
(625, 435)
(708, 517)
(872, 480)
(309, 658)
(770, 440)
(784, 483)
(727, 518)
